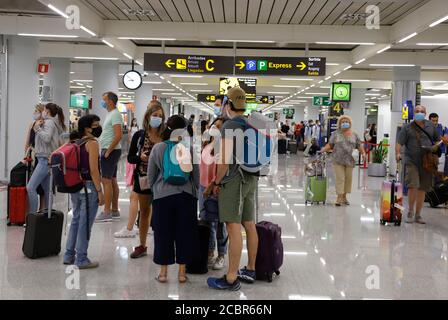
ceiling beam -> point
(279, 33)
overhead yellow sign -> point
(405, 113)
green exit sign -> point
(321, 101)
(79, 102)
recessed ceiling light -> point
(249, 41)
(162, 89)
(384, 49)
(47, 35)
(373, 94)
(317, 93)
(172, 93)
(434, 81)
(127, 56)
(438, 21)
(360, 61)
(347, 43)
(52, 7)
(201, 90)
(148, 39)
(348, 67)
(277, 92)
(434, 44)
(391, 65)
(96, 58)
(93, 34)
(336, 73)
(152, 82)
(332, 64)
(108, 43)
(285, 86)
(139, 63)
(353, 80)
(407, 37)
(327, 78)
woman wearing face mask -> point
(139, 151)
(89, 130)
(30, 145)
(207, 172)
(342, 142)
(48, 131)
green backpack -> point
(172, 173)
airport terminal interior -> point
(301, 63)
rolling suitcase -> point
(316, 189)
(282, 146)
(391, 204)
(292, 146)
(301, 146)
(199, 263)
(43, 231)
(17, 205)
(270, 251)
(438, 195)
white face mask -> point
(37, 115)
(214, 131)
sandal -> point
(161, 278)
(182, 278)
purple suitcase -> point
(270, 250)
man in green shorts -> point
(236, 190)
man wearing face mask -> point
(421, 138)
(110, 155)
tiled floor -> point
(330, 253)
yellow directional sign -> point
(301, 65)
(240, 65)
(405, 113)
(181, 64)
(169, 63)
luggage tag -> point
(396, 205)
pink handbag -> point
(130, 168)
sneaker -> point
(115, 215)
(419, 220)
(219, 263)
(211, 261)
(410, 218)
(247, 275)
(139, 252)
(103, 217)
(125, 233)
(69, 261)
(222, 284)
(89, 265)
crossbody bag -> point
(430, 159)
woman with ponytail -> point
(48, 132)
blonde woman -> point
(342, 142)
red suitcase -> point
(17, 205)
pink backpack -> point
(65, 164)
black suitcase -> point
(19, 175)
(292, 146)
(43, 231)
(438, 195)
(42, 234)
(301, 146)
(199, 263)
(282, 146)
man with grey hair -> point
(419, 137)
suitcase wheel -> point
(270, 277)
(383, 222)
(277, 272)
(323, 202)
(397, 223)
(8, 224)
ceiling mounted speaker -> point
(353, 16)
(139, 12)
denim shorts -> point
(109, 166)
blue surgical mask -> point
(155, 122)
(217, 110)
(345, 125)
(103, 104)
(419, 116)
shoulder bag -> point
(430, 159)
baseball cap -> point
(238, 98)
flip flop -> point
(161, 279)
(182, 278)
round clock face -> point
(341, 92)
(132, 80)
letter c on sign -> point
(207, 65)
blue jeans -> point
(40, 176)
(77, 242)
(218, 231)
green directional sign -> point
(321, 101)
